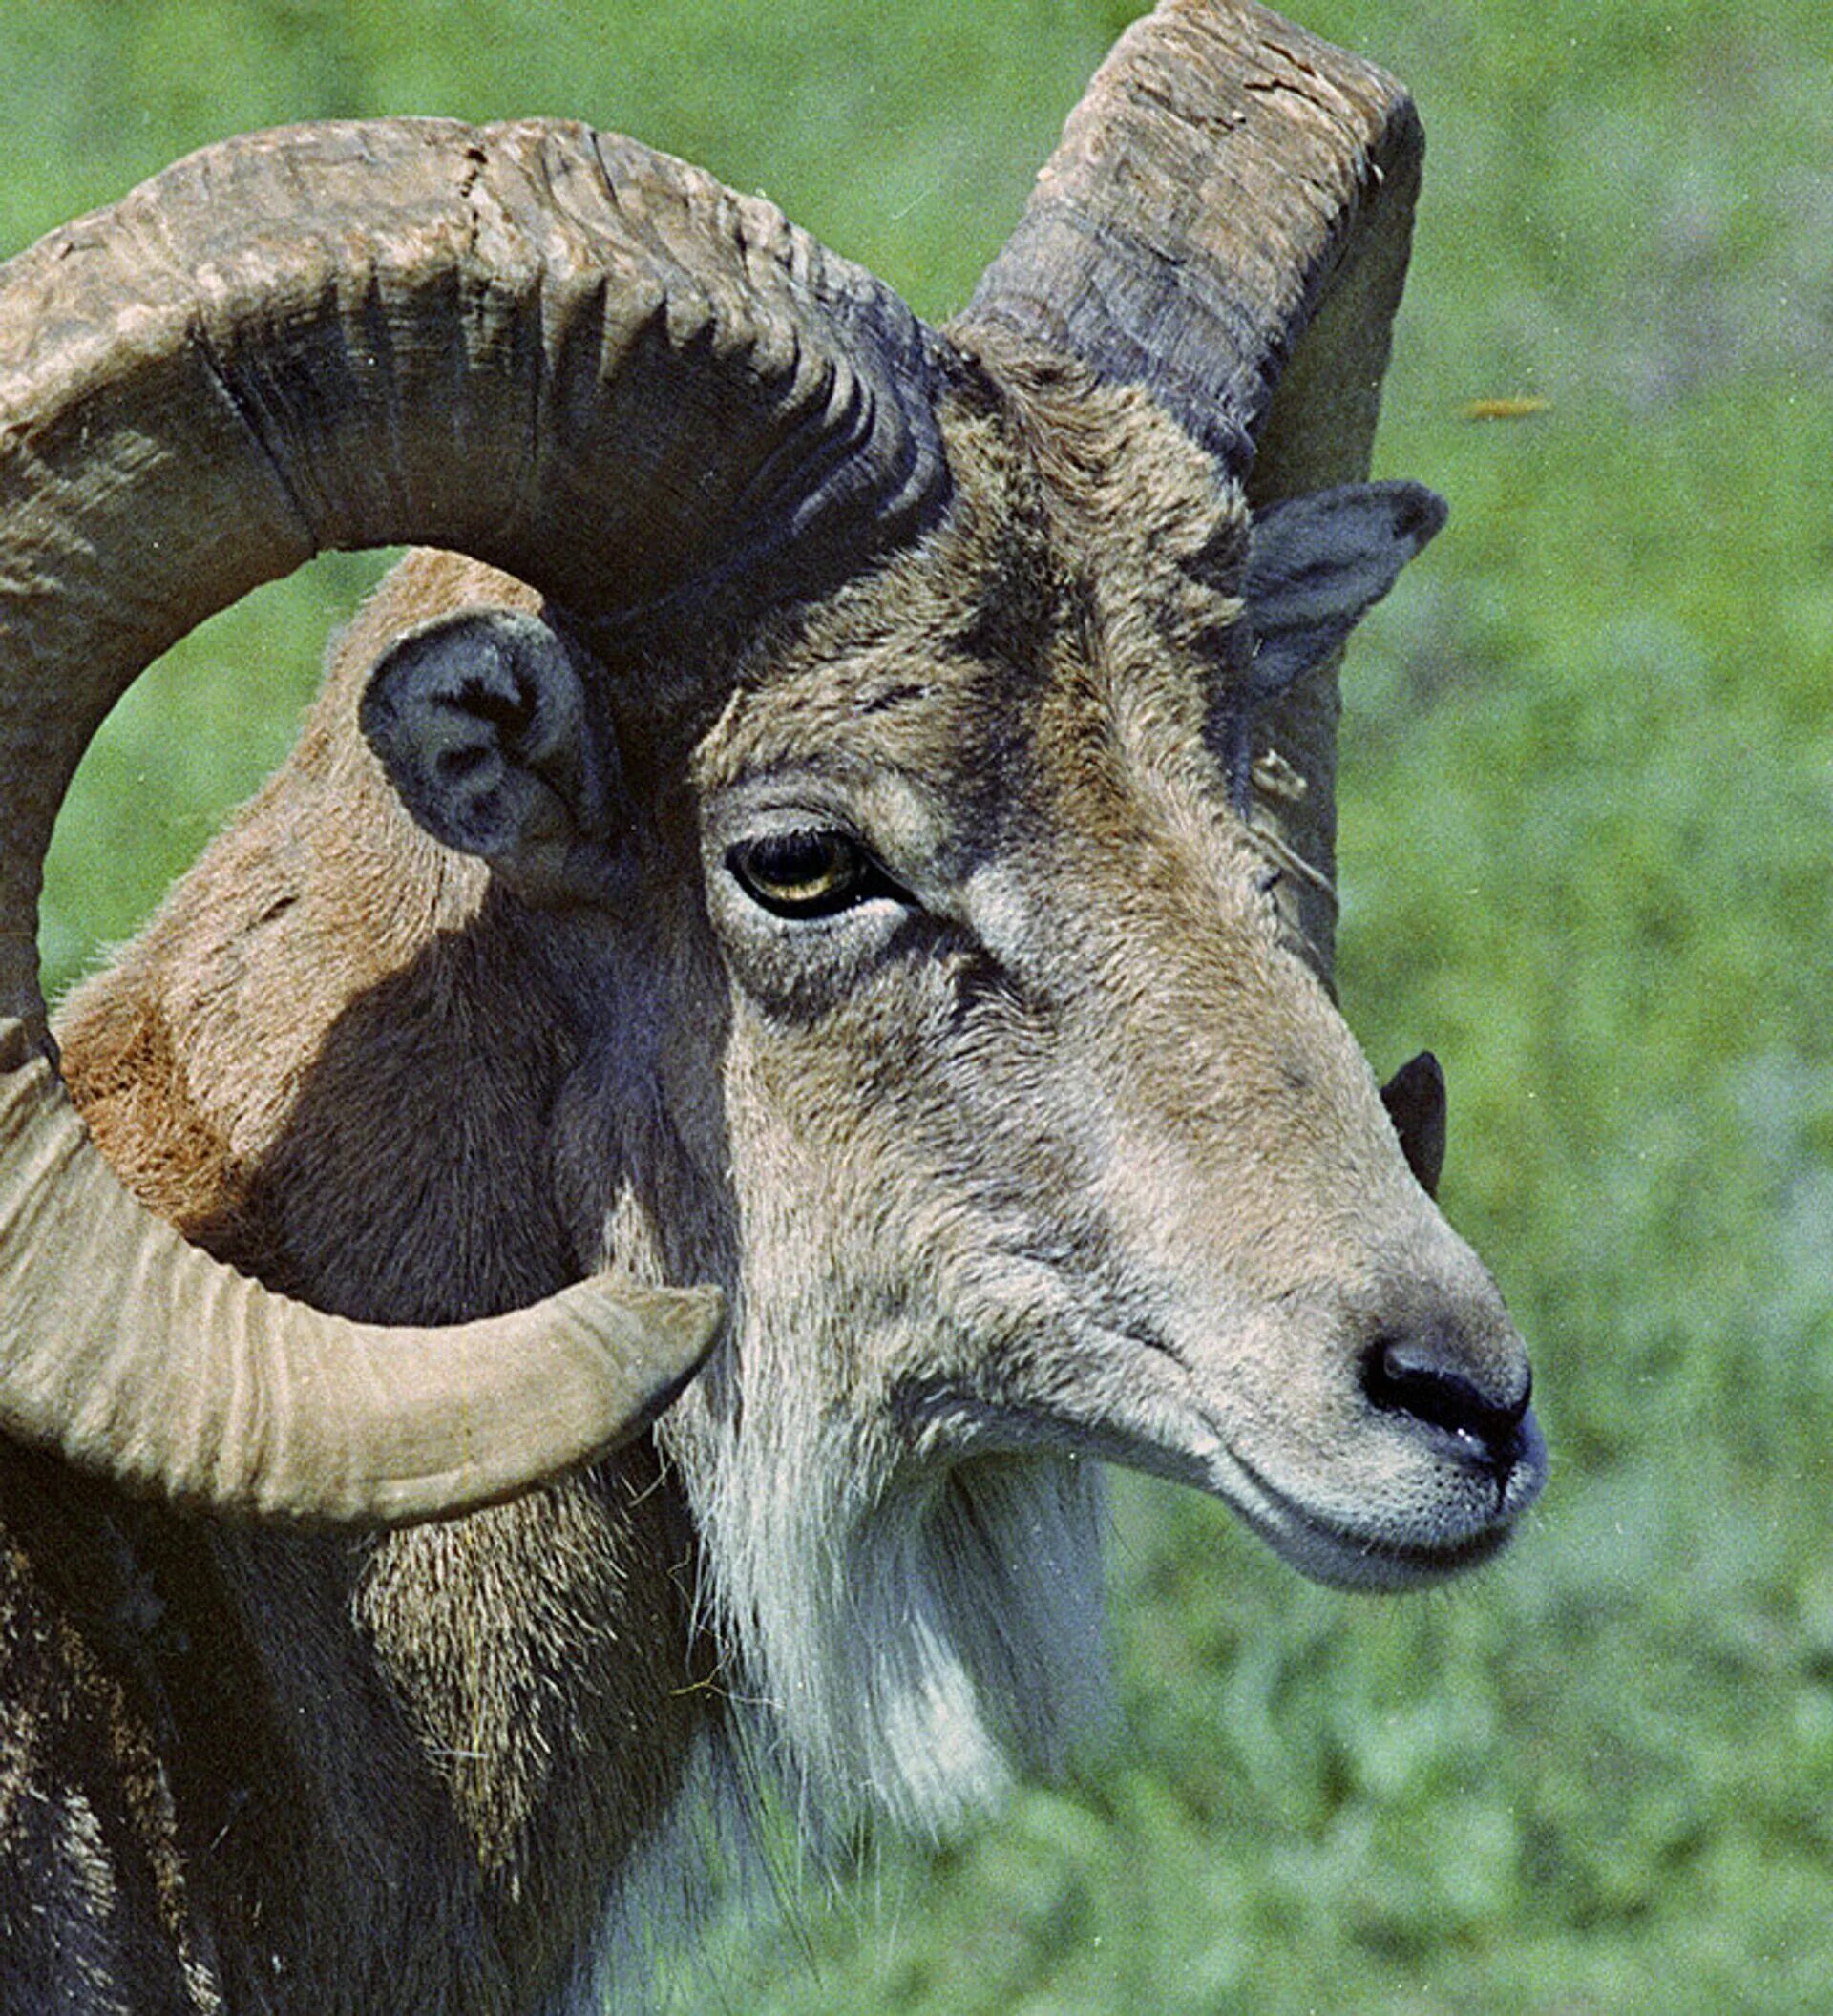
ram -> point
(777, 1012)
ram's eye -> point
(810, 873)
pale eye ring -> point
(808, 872)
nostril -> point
(1416, 1376)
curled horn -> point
(1226, 222)
(568, 356)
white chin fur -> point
(901, 1642)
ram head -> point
(890, 768)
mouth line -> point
(1393, 1561)
(1295, 1528)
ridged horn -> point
(560, 352)
(1226, 222)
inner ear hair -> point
(483, 723)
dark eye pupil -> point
(800, 874)
(792, 858)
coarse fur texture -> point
(906, 1632)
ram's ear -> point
(481, 720)
(1317, 564)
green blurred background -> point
(1586, 857)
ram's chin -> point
(1342, 1559)
(1396, 1554)
(904, 1648)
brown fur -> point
(447, 1739)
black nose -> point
(1426, 1377)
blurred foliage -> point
(1586, 818)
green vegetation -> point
(1587, 855)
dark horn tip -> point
(1415, 1098)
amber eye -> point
(812, 874)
